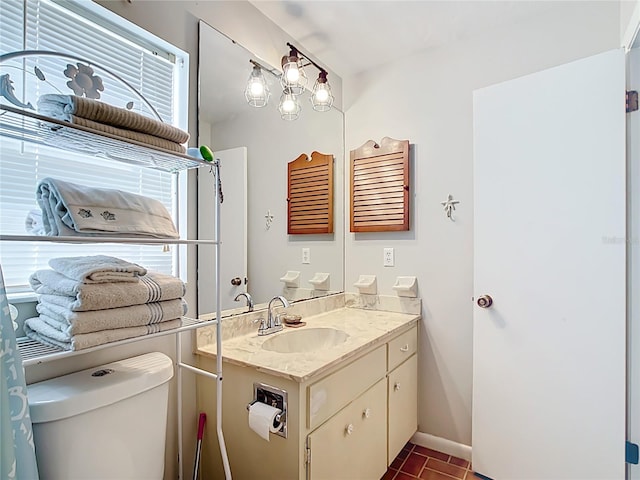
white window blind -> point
(65, 28)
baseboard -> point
(442, 445)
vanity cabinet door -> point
(352, 445)
(403, 405)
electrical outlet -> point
(387, 260)
(306, 255)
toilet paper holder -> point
(274, 397)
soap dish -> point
(291, 319)
(295, 325)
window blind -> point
(62, 27)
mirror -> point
(227, 123)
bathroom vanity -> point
(350, 376)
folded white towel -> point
(33, 223)
(78, 296)
(74, 323)
(97, 269)
(63, 106)
(70, 209)
(40, 331)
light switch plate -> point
(306, 255)
(388, 260)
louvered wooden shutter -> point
(380, 186)
(310, 194)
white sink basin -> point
(305, 340)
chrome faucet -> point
(248, 297)
(272, 324)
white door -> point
(549, 248)
(233, 231)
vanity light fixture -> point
(293, 78)
(321, 97)
(257, 91)
(289, 106)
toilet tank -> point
(107, 422)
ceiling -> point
(351, 37)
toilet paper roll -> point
(261, 419)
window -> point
(152, 67)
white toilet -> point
(107, 422)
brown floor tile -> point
(433, 475)
(413, 464)
(403, 454)
(397, 463)
(471, 476)
(389, 475)
(404, 476)
(431, 453)
(459, 462)
(443, 467)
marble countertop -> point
(365, 329)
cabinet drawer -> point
(403, 405)
(332, 393)
(352, 445)
(402, 347)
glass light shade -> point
(293, 77)
(257, 91)
(289, 106)
(321, 97)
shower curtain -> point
(17, 451)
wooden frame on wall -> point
(380, 186)
(310, 194)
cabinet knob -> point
(349, 429)
(366, 413)
(236, 282)
(405, 348)
(396, 386)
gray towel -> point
(97, 269)
(62, 106)
(73, 323)
(78, 296)
(40, 331)
(70, 209)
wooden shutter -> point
(380, 186)
(310, 194)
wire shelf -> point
(34, 353)
(99, 239)
(34, 128)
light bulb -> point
(322, 95)
(257, 88)
(289, 105)
(293, 74)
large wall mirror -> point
(255, 146)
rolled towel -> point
(74, 323)
(33, 223)
(38, 330)
(63, 106)
(70, 209)
(78, 296)
(97, 269)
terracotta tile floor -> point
(416, 462)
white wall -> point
(427, 99)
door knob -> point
(236, 282)
(484, 301)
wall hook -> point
(449, 206)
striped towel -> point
(40, 331)
(97, 269)
(77, 296)
(73, 323)
(63, 106)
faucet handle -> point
(263, 324)
(277, 322)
